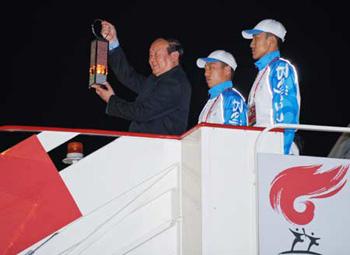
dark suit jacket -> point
(163, 102)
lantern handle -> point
(94, 32)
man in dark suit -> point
(163, 101)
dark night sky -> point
(47, 45)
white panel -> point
(330, 220)
(137, 227)
(52, 139)
(162, 196)
(228, 189)
(162, 244)
(128, 222)
(191, 194)
(117, 167)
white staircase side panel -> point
(117, 167)
(142, 195)
(160, 244)
(127, 223)
(137, 227)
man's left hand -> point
(105, 91)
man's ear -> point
(272, 41)
(227, 69)
(175, 55)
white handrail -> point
(300, 127)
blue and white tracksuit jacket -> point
(225, 106)
(275, 97)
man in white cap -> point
(274, 97)
(225, 105)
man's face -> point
(215, 73)
(159, 58)
(260, 45)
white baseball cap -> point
(218, 55)
(267, 25)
